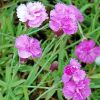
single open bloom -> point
(32, 13)
(28, 47)
(73, 72)
(65, 17)
(77, 91)
(87, 52)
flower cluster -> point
(87, 52)
(28, 47)
(65, 17)
(32, 13)
(76, 84)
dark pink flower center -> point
(69, 70)
(87, 48)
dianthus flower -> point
(87, 52)
(32, 13)
(65, 17)
(77, 91)
(28, 47)
(76, 84)
(72, 71)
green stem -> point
(81, 31)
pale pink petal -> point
(65, 77)
(22, 42)
(97, 51)
(24, 54)
(69, 89)
(75, 63)
(79, 75)
(77, 13)
(55, 26)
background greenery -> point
(34, 80)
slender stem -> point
(41, 87)
(81, 31)
(34, 31)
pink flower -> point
(32, 13)
(77, 91)
(72, 71)
(87, 52)
(28, 47)
(65, 17)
